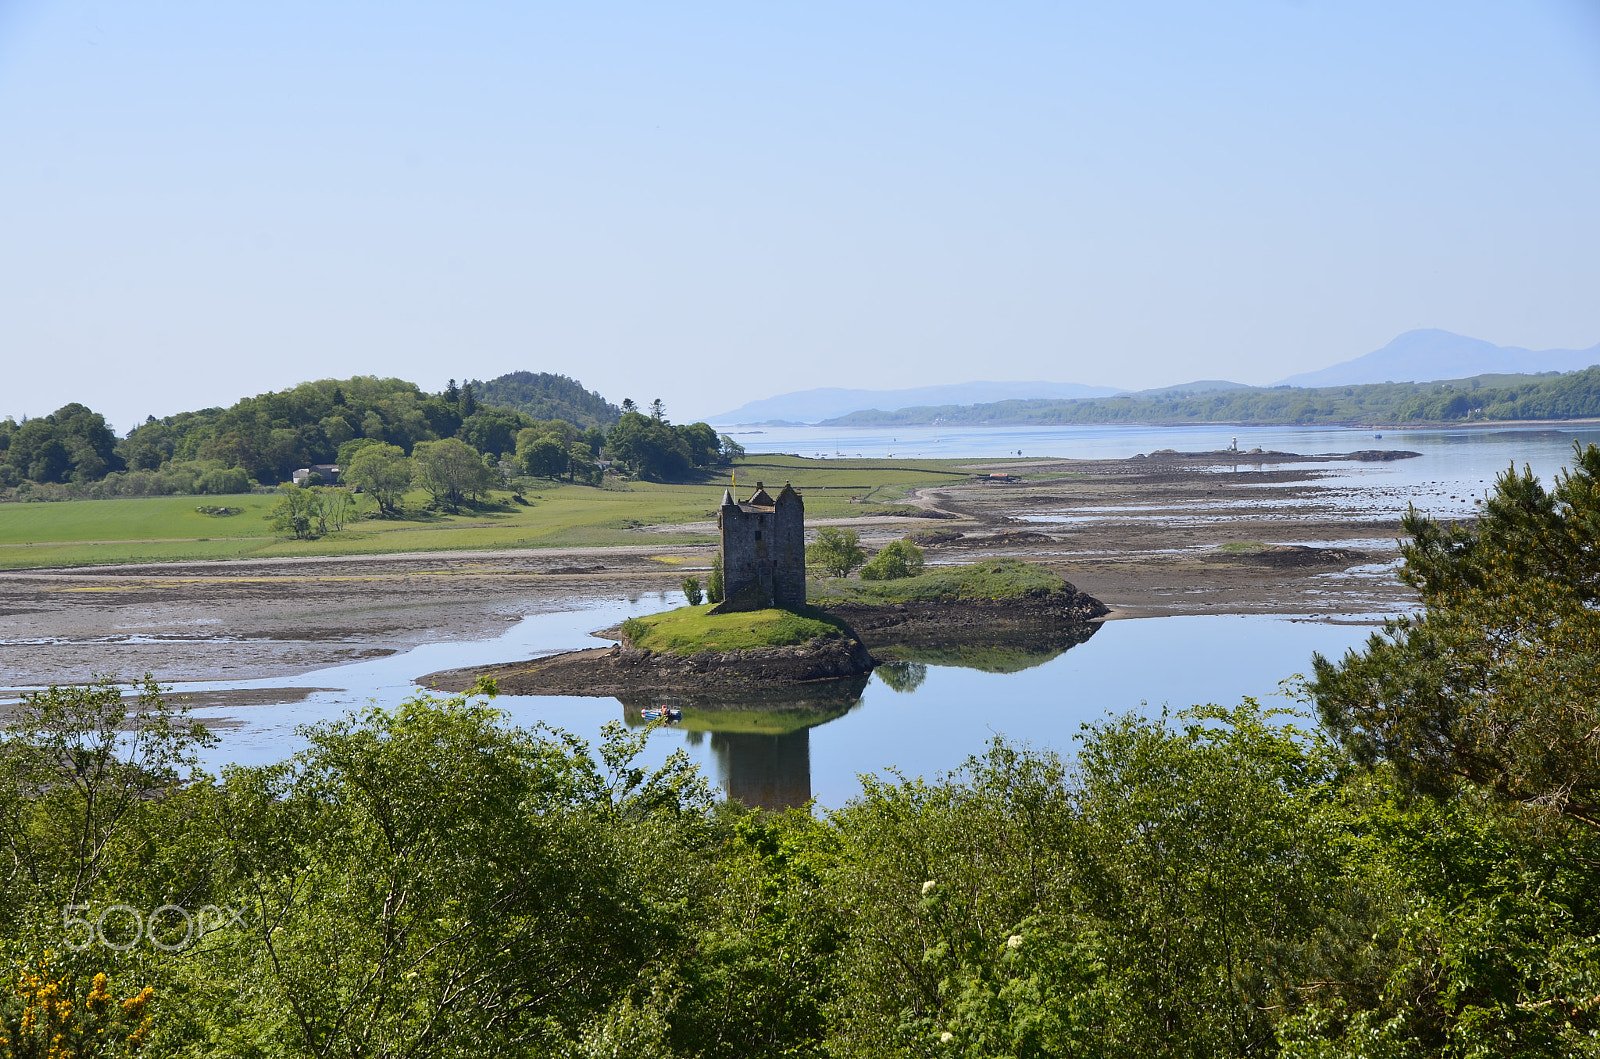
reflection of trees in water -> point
(759, 709)
(902, 676)
(994, 650)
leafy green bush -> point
(714, 579)
(222, 480)
(836, 552)
(432, 881)
(897, 559)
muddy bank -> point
(619, 671)
(269, 618)
(968, 621)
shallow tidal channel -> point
(919, 718)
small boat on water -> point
(665, 714)
(1377, 435)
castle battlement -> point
(763, 550)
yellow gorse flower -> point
(53, 1024)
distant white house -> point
(328, 472)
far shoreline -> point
(1442, 424)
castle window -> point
(758, 534)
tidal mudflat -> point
(1148, 537)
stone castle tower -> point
(763, 550)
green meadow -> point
(690, 630)
(83, 532)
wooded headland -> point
(1480, 399)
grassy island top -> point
(690, 630)
(990, 579)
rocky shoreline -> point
(952, 623)
(623, 670)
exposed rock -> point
(982, 620)
(1381, 455)
(935, 538)
(1293, 556)
(1006, 539)
(620, 670)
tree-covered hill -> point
(559, 430)
(271, 434)
(546, 396)
(1483, 398)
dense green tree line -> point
(264, 439)
(431, 881)
(1419, 878)
(1574, 395)
(71, 444)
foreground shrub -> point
(897, 560)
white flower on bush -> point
(1014, 941)
(927, 887)
(946, 1037)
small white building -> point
(328, 472)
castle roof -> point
(727, 499)
(760, 498)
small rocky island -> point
(768, 631)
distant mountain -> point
(546, 396)
(810, 406)
(1432, 354)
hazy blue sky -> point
(717, 202)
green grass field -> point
(82, 532)
(689, 630)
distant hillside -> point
(1189, 388)
(809, 406)
(1484, 398)
(1433, 354)
(545, 396)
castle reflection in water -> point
(761, 737)
(769, 771)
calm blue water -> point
(1143, 664)
(1485, 447)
